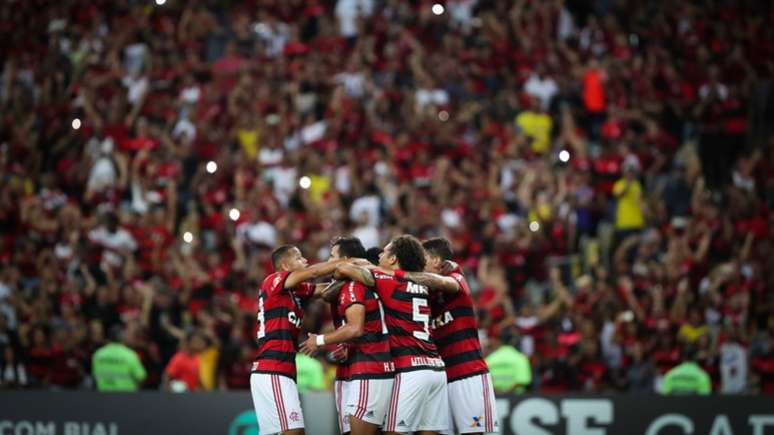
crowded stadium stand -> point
(604, 170)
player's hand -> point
(448, 267)
(309, 347)
(339, 353)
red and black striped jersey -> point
(407, 309)
(455, 332)
(280, 311)
(369, 355)
(342, 367)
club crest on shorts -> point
(476, 422)
(294, 416)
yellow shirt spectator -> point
(320, 185)
(537, 126)
(690, 334)
(208, 361)
(629, 208)
(248, 140)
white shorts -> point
(472, 403)
(368, 400)
(419, 401)
(276, 402)
(340, 392)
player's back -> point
(280, 311)
(369, 355)
(407, 309)
(455, 332)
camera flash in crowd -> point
(437, 9)
(534, 226)
(564, 156)
(443, 115)
(160, 2)
(188, 237)
(76, 124)
(211, 167)
(305, 182)
(233, 214)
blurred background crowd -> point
(604, 170)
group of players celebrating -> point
(406, 341)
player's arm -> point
(309, 273)
(353, 329)
(434, 281)
(328, 291)
(353, 272)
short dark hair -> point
(372, 255)
(438, 247)
(350, 247)
(410, 253)
(278, 255)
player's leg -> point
(433, 411)
(401, 412)
(266, 408)
(472, 404)
(360, 427)
(340, 393)
(367, 405)
(288, 404)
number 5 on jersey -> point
(419, 317)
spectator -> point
(510, 368)
(694, 329)
(640, 373)
(116, 367)
(116, 243)
(537, 125)
(734, 363)
(183, 371)
(688, 377)
(12, 371)
(629, 217)
(542, 87)
(309, 373)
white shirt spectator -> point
(368, 204)
(184, 127)
(95, 147)
(102, 176)
(136, 86)
(274, 35)
(566, 28)
(368, 235)
(354, 83)
(720, 90)
(437, 97)
(6, 309)
(261, 232)
(543, 88)
(348, 12)
(343, 179)
(269, 157)
(313, 132)
(113, 244)
(14, 374)
(461, 12)
(190, 95)
(134, 57)
(284, 180)
(733, 368)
